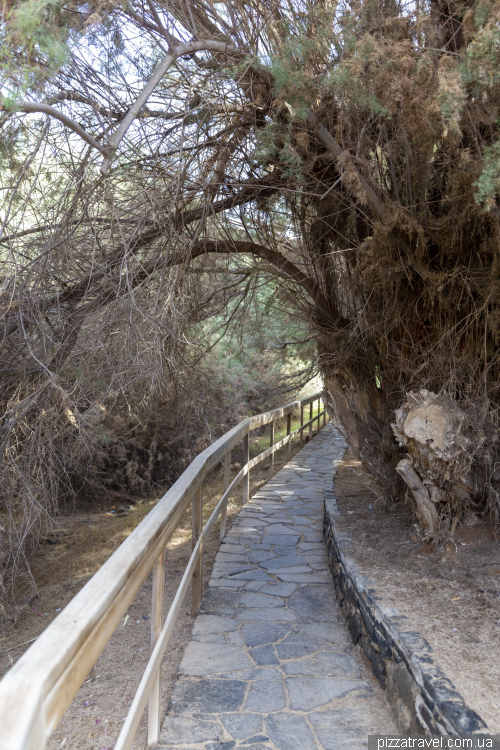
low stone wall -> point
(423, 699)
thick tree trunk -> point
(358, 409)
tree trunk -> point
(358, 409)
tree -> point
(349, 150)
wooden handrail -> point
(38, 689)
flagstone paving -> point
(270, 663)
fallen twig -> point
(13, 648)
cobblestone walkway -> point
(270, 663)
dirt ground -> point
(68, 558)
(450, 594)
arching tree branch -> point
(286, 268)
(96, 297)
(159, 73)
(40, 107)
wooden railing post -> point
(271, 443)
(246, 459)
(324, 417)
(158, 588)
(288, 431)
(301, 423)
(319, 418)
(196, 525)
(227, 476)
(310, 420)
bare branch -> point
(34, 107)
(159, 73)
(330, 141)
(284, 344)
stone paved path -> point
(270, 663)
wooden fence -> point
(38, 689)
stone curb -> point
(423, 699)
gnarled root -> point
(437, 469)
(426, 510)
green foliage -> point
(293, 64)
(291, 81)
(291, 161)
(481, 66)
(34, 45)
(247, 359)
(451, 94)
(482, 12)
(488, 184)
(37, 24)
(352, 79)
(265, 142)
(344, 80)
